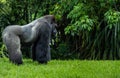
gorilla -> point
(38, 33)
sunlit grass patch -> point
(60, 69)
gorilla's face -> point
(54, 26)
(54, 30)
(51, 19)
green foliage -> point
(95, 25)
(112, 17)
(83, 24)
(63, 48)
(2, 49)
(62, 7)
(62, 52)
(61, 69)
(80, 21)
(77, 11)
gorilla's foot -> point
(17, 62)
(42, 62)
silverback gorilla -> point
(38, 32)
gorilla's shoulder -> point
(11, 27)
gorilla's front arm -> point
(37, 32)
(41, 48)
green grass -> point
(61, 69)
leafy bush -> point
(80, 21)
(62, 52)
(112, 17)
(3, 52)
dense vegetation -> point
(88, 29)
(61, 69)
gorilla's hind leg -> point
(33, 52)
(13, 46)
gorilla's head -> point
(52, 21)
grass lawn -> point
(61, 69)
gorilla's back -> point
(15, 29)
